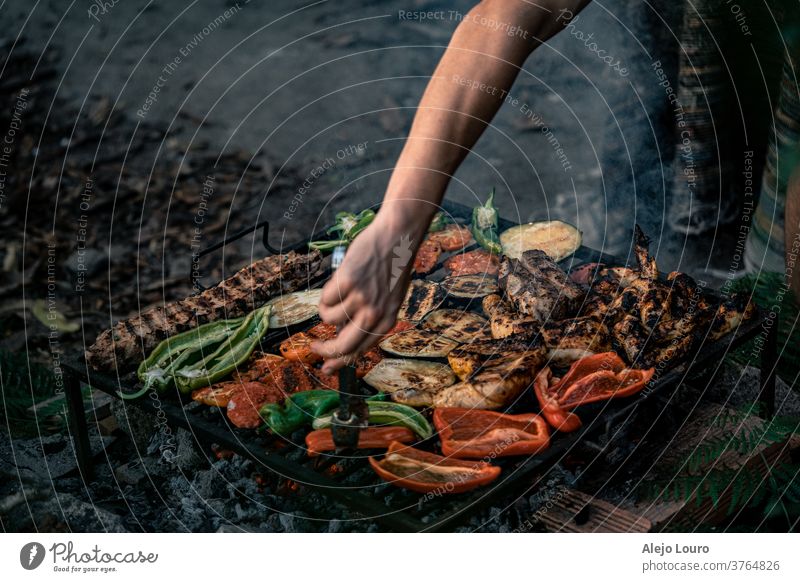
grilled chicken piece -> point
(538, 287)
(422, 297)
(569, 340)
(496, 386)
(730, 314)
(630, 338)
(467, 360)
(647, 264)
(504, 321)
(128, 342)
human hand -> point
(364, 294)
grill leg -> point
(769, 360)
(78, 426)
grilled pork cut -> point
(128, 342)
(538, 287)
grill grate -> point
(353, 483)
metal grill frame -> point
(403, 510)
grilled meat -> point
(494, 386)
(630, 338)
(730, 314)
(538, 287)
(469, 359)
(125, 345)
(569, 340)
(504, 321)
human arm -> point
(470, 83)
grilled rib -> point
(126, 344)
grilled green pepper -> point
(439, 221)
(484, 225)
(301, 409)
(388, 413)
(180, 350)
(347, 227)
(233, 352)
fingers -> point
(336, 290)
(357, 336)
(340, 313)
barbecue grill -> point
(350, 481)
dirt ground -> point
(309, 83)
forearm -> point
(466, 90)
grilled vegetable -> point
(427, 255)
(458, 325)
(301, 409)
(477, 262)
(243, 406)
(233, 352)
(453, 237)
(421, 298)
(388, 413)
(438, 222)
(298, 410)
(590, 379)
(425, 472)
(418, 343)
(410, 382)
(475, 434)
(372, 437)
(557, 239)
(294, 308)
(180, 350)
(347, 227)
(470, 286)
(484, 225)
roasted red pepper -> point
(428, 473)
(373, 437)
(590, 379)
(475, 434)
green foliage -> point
(23, 384)
(766, 288)
(775, 490)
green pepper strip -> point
(439, 221)
(388, 413)
(233, 352)
(301, 409)
(179, 350)
(484, 226)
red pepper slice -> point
(558, 418)
(474, 434)
(372, 437)
(590, 379)
(425, 472)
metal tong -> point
(353, 413)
